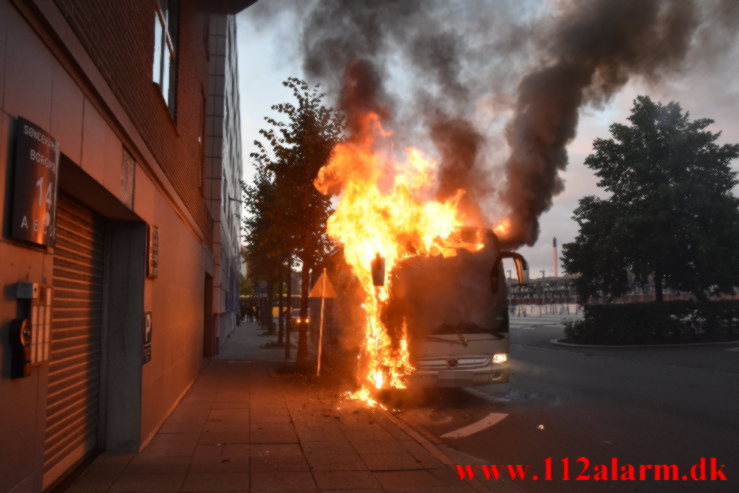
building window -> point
(224, 196)
(164, 70)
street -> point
(641, 406)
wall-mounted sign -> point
(152, 260)
(35, 177)
(147, 338)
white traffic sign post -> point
(322, 289)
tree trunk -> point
(270, 320)
(658, 285)
(301, 359)
(280, 307)
(267, 315)
(289, 307)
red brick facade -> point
(119, 36)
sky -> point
(706, 88)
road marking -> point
(486, 422)
(734, 349)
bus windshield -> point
(447, 295)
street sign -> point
(323, 288)
(34, 184)
(147, 338)
(152, 263)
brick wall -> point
(119, 36)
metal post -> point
(320, 325)
(288, 320)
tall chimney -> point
(554, 244)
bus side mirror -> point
(522, 267)
(522, 271)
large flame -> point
(503, 228)
(386, 208)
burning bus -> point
(424, 297)
(448, 315)
(455, 311)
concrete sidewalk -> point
(240, 429)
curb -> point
(430, 443)
(560, 342)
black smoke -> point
(466, 58)
(596, 47)
(460, 145)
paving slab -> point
(273, 482)
(214, 459)
(173, 444)
(420, 480)
(148, 462)
(223, 437)
(147, 482)
(216, 481)
(346, 480)
(277, 458)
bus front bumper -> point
(427, 376)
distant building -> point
(561, 290)
(120, 262)
(542, 297)
(223, 173)
(546, 290)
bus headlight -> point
(500, 358)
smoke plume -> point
(459, 145)
(597, 46)
(467, 63)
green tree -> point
(671, 218)
(266, 249)
(245, 286)
(292, 150)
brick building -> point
(119, 157)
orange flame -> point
(385, 207)
(503, 228)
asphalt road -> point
(639, 405)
